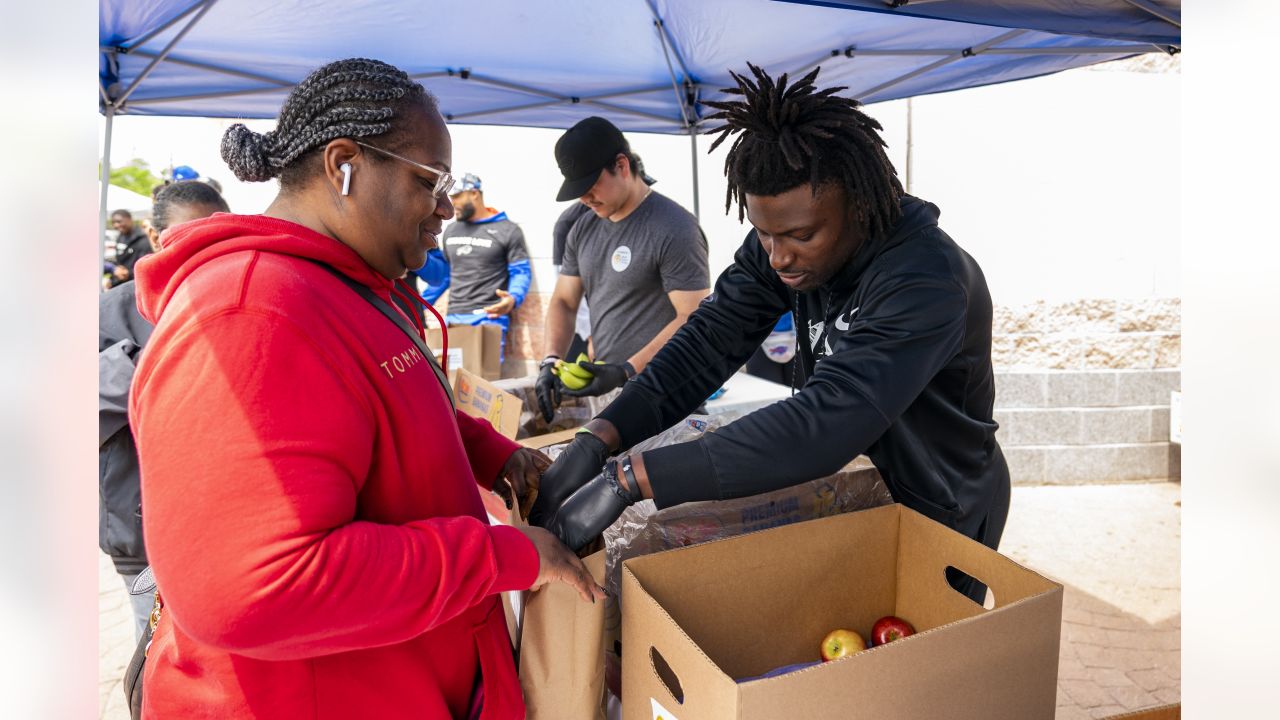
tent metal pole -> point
(668, 40)
(557, 101)
(176, 19)
(208, 5)
(207, 96)
(910, 147)
(102, 193)
(967, 52)
(485, 80)
(693, 149)
(675, 84)
(853, 51)
(450, 117)
(556, 96)
(1077, 50)
(217, 69)
(637, 113)
(1156, 10)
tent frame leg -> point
(693, 150)
(102, 194)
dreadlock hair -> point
(355, 98)
(184, 193)
(791, 134)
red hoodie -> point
(312, 510)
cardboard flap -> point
(843, 568)
(552, 438)
(1164, 712)
(672, 670)
(927, 548)
(480, 398)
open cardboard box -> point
(696, 618)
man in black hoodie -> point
(897, 318)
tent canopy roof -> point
(647, 65)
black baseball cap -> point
(583, 152)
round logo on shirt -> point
(621, 258)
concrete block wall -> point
(1090, 426)
(1082, 389)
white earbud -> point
(346, 178)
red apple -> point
(890, 628)
(839, 643)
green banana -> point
(571, 380)
(576, 370)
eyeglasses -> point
(444, 181)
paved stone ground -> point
(115, 640)
(1116, 548)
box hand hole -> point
(971, 587)
(666, 675)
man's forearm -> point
(646, 353)
(559, 328)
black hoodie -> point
(897, 365)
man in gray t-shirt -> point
(638, 257)
(482, 261)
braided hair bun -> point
(245, 153)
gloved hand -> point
(604, 377)
(548, 387)
(594, 507)
(578, 463)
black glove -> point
(579, 462)
(604, 377)
(548, 388)
(594, 507)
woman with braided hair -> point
(327, 554)
(895, 363)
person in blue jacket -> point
(482, 261)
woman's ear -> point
(337, 153)
(153, 237)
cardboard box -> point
(477, 348)
(695, 619)
(480, 398)
(1164, 712)
(541, 442)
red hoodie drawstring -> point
(444, 332)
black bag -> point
(146, 583)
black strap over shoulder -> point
(394, 316)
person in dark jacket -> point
(131, 246)
(122, 333)
(894, 326)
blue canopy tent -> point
(647, 65)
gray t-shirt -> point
(628, 267)
(478, 255)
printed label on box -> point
(455, 359)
